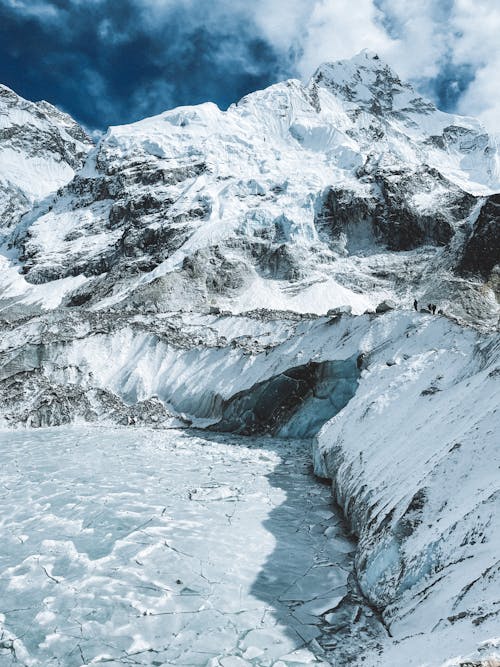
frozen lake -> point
(140, 547)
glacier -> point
(200, 310)
(143, 553)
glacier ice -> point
(156, 548)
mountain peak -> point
(7, 94)
(369, 83)
(41, 147)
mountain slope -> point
(300, 197)
(40, 150)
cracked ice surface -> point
(173, 548)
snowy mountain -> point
(41, 148)
(299, 197)
(253, 271)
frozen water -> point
(163, 548)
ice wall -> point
(294, 403)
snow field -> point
(139, 547)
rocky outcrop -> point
(402, 210)
(131, 229)
(481, 252)
(45, 403)
(385, 307)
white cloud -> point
(478, 24)
(419, 39)
(482, 98)
(339, 29)
(40, 9)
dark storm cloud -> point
(109, 62)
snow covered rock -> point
(41, 148)
(300, 197)
(481, 252)
(385, 306)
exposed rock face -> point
(402, 210)
(481, 253)
(133, 223)
(385, 307)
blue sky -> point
(115, 61)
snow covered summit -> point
(367, 83)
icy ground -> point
(147, 548)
